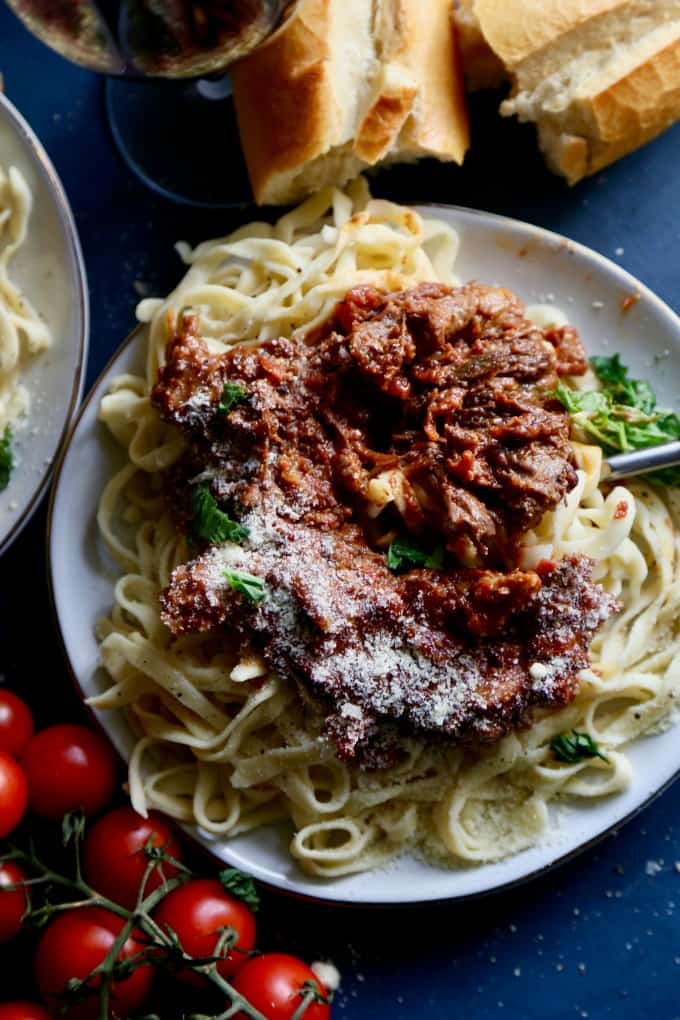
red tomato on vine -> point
(196, 912)
(13, 794)
(16, 723)
(275, 983)
(68, 767)
(114, 859)
(12, 901)
(73, 945)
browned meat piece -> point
(451, 389)
(191, 383)
(446, 652)
(451, 386)
(571, 358)
(382, 349)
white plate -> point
(49, 269)
(536, 264)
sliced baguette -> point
(344, 85)
(598, 77)
(482, 68)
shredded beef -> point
(450, 390)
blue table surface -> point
(596, 938)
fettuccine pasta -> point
(228, 745)
(23, 334)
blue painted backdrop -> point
(598, 938)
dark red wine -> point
(159, 38)
(74, 28)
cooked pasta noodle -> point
(23, 334)
(230, 746)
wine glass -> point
(167, 95)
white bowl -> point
(539, 266)
(49, 270)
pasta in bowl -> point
(43, 320)
(235, 732)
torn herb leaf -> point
(240, 885)
(621, 416)
(232, 394)
(252, 588)
(614, 376)
(211, 524)
(6, 459)
(403, 553)
(574, 747)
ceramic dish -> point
(539, 266)
(49, 269)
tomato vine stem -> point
(160, 942)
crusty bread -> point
(345, 84)
(598, 77)
(482, 68)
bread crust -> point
(440, 127)
(646, 100)
(284, 85)
(633, 111)
(610, 112)
(392, 104)
(407, 87)
(482, 68)
(396, 87)
(516, 30)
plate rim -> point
(65, 214)
(203, 846)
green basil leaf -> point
(574, 747)
(232, 394)
(252, 588)
(622, 416)
(240, 885)
(403, 553)
(6, 459)
(609, 370)
(211, 524)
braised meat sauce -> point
(442, 395)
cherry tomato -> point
(68, 767)
(274, 983)
(72, 946)
(13, 794)
(16, 723)
(114, 857)
(12, 901)
(22, 1011)
(196, 912)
